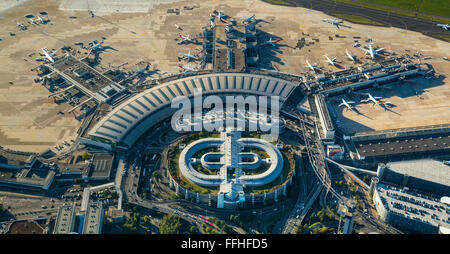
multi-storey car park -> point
(121, 119)
(412, 211)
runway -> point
(329, 7)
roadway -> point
(389, 19)
(317, 162)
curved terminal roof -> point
(127, 122)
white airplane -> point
(351, 57)
(270, 42)
(96, 46)
(42, 20)
(184, 39)
(178, 27)
(186, 68)
(188, 56)
(310, 66)
(141, 70)
(347, 104)
(375, 100)
(47, 56)
(330, 61)
(336, 23)
(219, 15)
(445, 26)
(249, 19)
(371, 51)
(22, 26)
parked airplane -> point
(219, 15)
(22, 26)
(347, 104)
(42, 20)
(445, 26)
(270, 42)
(330, 61)
(47, 56)
(96, 46)
(184, 39)
(336, 23)
(141, 70)
(375, 100)
(188, 56)
(249, 19)
(371, 51)
(186, 68)
(351, 57)
(310, 66)
(178, 27)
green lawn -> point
(442, 36)
(432, 7)
(281, 2)
(381, 8)
(402, 4)
(436, 7)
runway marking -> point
(403, 34)
(75, 23)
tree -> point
(86, 156)
(315, 230)
(170, 224)
(114, 194)
(155, 174)
(193, 230)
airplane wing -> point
(365, 100)
(350, 102)
(377, 98)
(341, 104)
(365, 50)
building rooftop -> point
(403, 145)
(129, 120)
(93, 219)
(36, 178)
(229, 55)
(85, 78)
(101, 165)
(65, 219)
(414, 206)
(426, 169)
